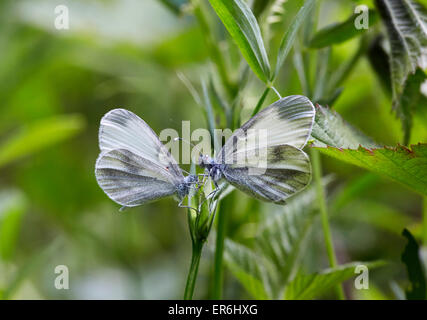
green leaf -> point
(240, 22)
(302, 70)
(283, 236)
(39, 135)
(411, 100)
(403, 165)
(322, 71)
(329, 129)
(279, 247)
(221, 107)
(378, 60)
(340, 32)
(406, 23)
(249, 268)
(374, 293)
(291, 33)
(12, 208)
(411, 258)
(305, 287)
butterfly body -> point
(214, 169)
(183, 189)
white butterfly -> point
(284, 169)
(134, 167)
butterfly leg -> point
(204, 176)
(213, 193)
(187, 207)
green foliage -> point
(201, 214)
(411, 102)
(32, 264)
(411, 258)
(279, 245)
(12, 208)
(271, 269)
(249, 268)
(56, 86)
(406, 22)
(329, 129)
(291, 33)
(379, 61)
(259, 6)
(305, 287)
(400, 164)
(340, 32)
(209, 115)
(283, 237)
(39, 135)
(242, 25)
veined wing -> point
(132, 180)
(287, 121)
(122, 129)
(274, 175)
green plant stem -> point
(261, 101)
(219, 249)
(317, 176)
(194, 268)
(425, 221)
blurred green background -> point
(55, 85)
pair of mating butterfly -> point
(130, 171)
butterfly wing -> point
(283, 171)
(122, 129)
(274, 169)
(287, 121)
(132, 180)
